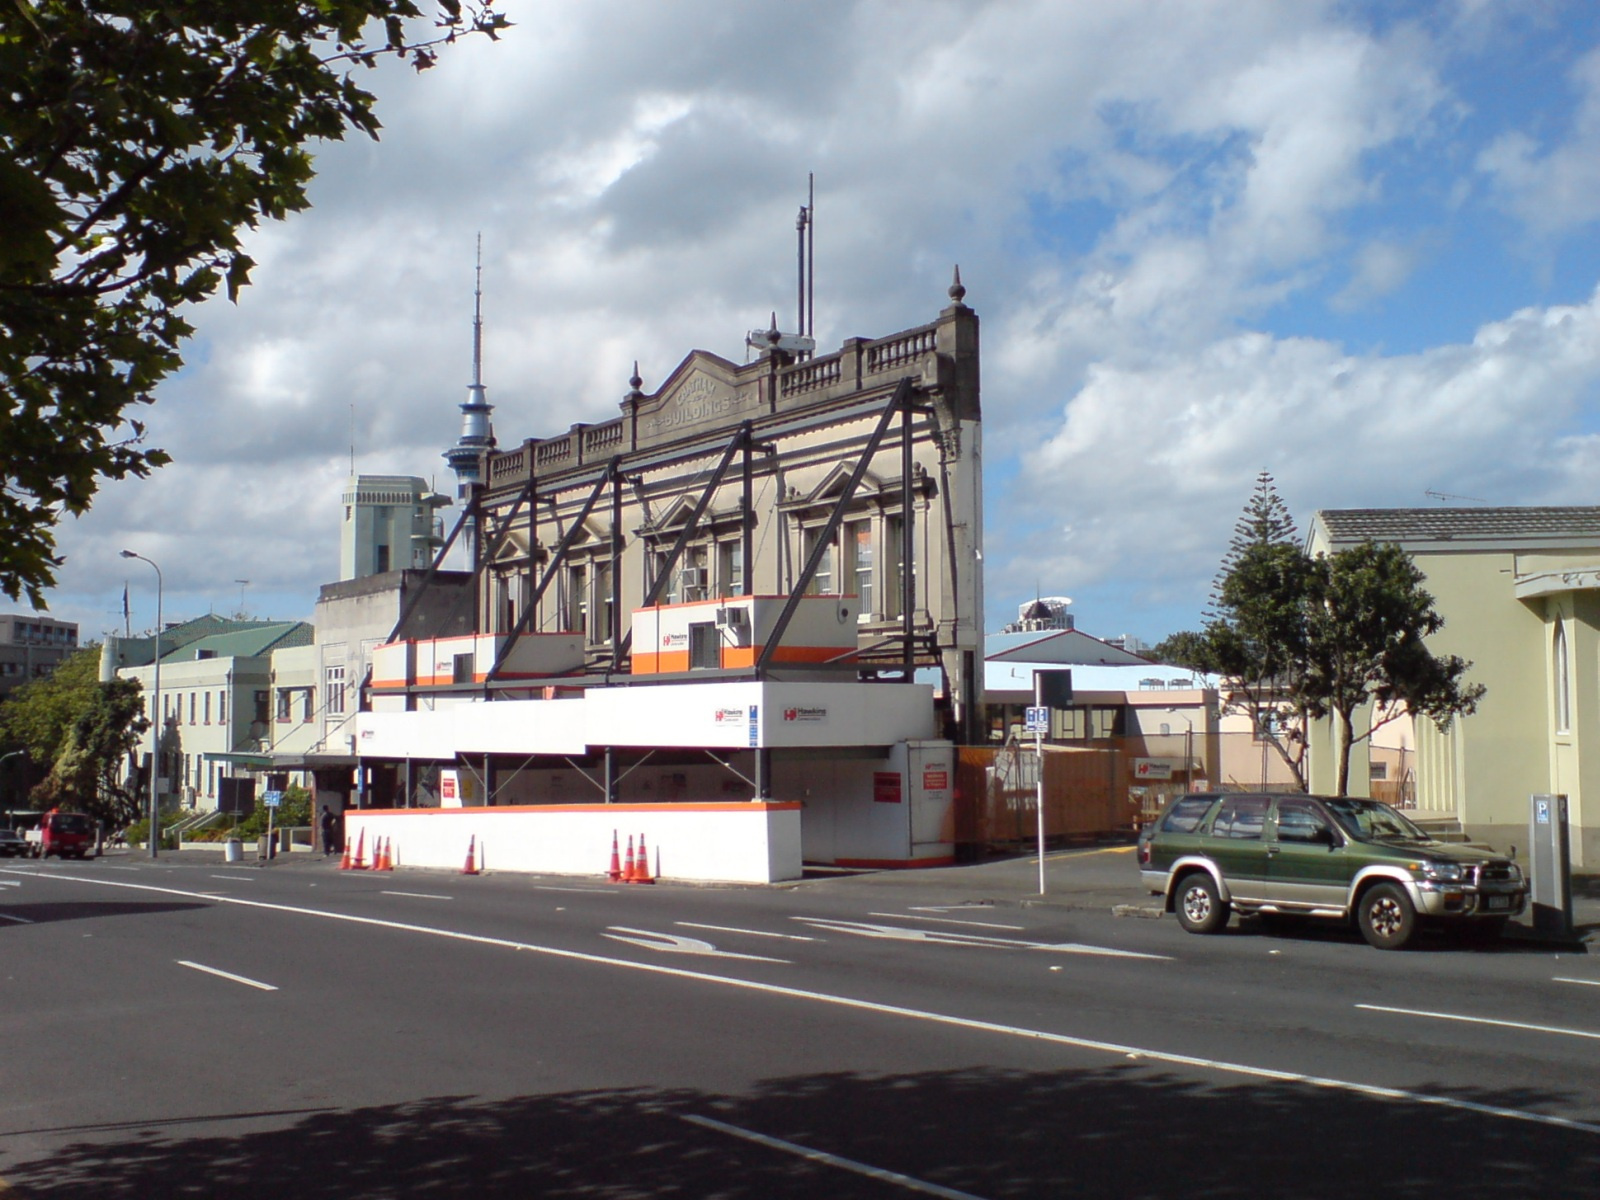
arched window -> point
(1562, 682)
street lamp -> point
(155, 716)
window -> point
(1301, 821)
(602, 604)
(1241, 817)
(1563, 693)
(333, 691)
(671, 593)
(208, 708)
(577, 616)
(822, 581)
(283, 703)
(1185, 814)
(307, 704)
(263, 709)
(222, 707)
(893, 577)
(730, 568)
(692, 573)
(858, 547)
(382, 564)
(192, 709)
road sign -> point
(1036, 720)
(272, 799)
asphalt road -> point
(188, 1029)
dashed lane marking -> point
(255, 983)
(940, 937)
(1585, 982)
(17, 920)
(418, 895)
(1040, 1036)
(832, 1160)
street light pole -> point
(155, 716)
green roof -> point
(248, 639)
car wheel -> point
(1387, 919)
(1199, 908)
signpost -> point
(271, 800)
(1037, 722)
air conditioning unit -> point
(692, 577)
(733, 618)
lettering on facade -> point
(805, 715)
(729, 716)
(699, 399)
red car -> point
(62, 834)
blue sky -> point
(1354, 245)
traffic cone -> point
(380, 860)
(615, 873)
(360, 863)
(344, 863)
(641, 865)
(627, 870)
(472, 855)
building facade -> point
(1519, 591)
(30, 647)
(390, 523)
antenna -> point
(1446, 497)
(243, 583)
(352, 439)
(477, 320)
(806, 262)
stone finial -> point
(957, 292)
(633, 383)
(772, 330)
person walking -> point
(330, 832)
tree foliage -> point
(139, 143)
(84, 730)
(1298, 639)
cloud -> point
(1137, 194)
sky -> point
(1354, 245)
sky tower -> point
(477, 435)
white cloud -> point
(1132, 189)
(1553, 189)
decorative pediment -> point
(703, 393)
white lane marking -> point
(246, 878)
(671, 943)
(1439, 1016)
(418, 895)
(941, 938)
(550, 887)
(18, 920)
(832, 1160)
(788, 937)
(114, 867)
(1115, 1049)
(1585, 982)
(10, 883)
(946, 921)
(948, 907)
(255, 983)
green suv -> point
(1321, 856)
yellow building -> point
(1519, 591)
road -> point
(188, 1029)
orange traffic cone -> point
(344, 863)
(615, 872)
(627, 870)
(380, 861)
(360, 863)
(472, 855)
(641, 865)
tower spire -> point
(477, 434)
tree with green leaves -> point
(1254, 636)
(139, 143)
(85, 730)
(1341, 636)
(1367, 618)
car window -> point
(1300, 821)
(1185, 815)
(1373, 819)
(1241, 817)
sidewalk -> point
(1106, 879)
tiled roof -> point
(1404, 525)
(247, 640)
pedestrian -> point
(330, 832)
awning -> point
(261, 761)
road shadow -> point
(86, 910)
(1111, 1133)
(1440, 938)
